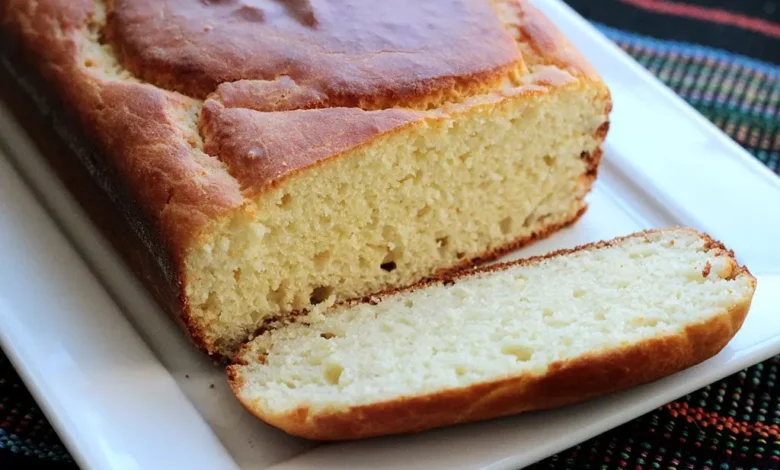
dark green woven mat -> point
(722, 56)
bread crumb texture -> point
(515, 322)
(393, 212)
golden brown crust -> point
(260, 148)
(133, 123)
(117, 216)
(369, 54)
(564, 383)
(541, 42)
(150, 161)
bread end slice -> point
(527, 335)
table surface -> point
(723, 57)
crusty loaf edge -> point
(564, 383)
(105, 197)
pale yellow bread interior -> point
(471, 178)
(448, 349)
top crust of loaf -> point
(367, 54)
(135, 90)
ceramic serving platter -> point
(125, 390)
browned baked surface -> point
(564, 383)
(132, 77)
(349, 53)
(117, 218)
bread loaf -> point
(275, 157)
(500, 340)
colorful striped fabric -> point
(733, 424)
(750, 28)
(740, 95)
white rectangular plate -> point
(125, 390)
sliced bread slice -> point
(499, 340)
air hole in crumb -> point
(333, 373)
(408, 303)
(442, 243)
(290, 385)
(600, 315)
(391, 255)
(386, 328)
(547, 313)
(460, 255)
(388, 266)
(548, 160)
(321, 259)
(212, 302)
(237, 274)
(506, 225)
(320, 294)
(278, 296)
(521, 352)
(88, 63)
(460, 371)
(578, 293)
(423, 212)
(407, 178)
(327, 335)
(285, 200)
(389, 261)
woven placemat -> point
(721, 56)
